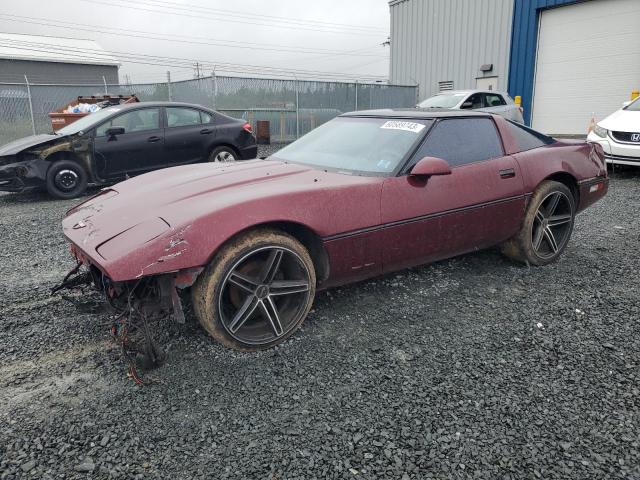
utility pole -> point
(197, 68)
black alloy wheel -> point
(256, 291)
(552, 225)
(263, 296)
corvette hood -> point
(622, 121)
(207, 201)
(17, 146)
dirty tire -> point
(213, 289)
(66, 179)
(539, 221)
(223, 155)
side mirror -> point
(113, 131)
(466, 105)
(429, 166)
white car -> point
(490, 101)
(619, 135)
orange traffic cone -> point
(592, 123)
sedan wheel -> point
(257, 291)
(66, 179)
(547, 226)
(222, 155)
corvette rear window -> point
(359, 145)
(526, 138)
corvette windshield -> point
(360, 145)
(89, 121)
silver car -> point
(499, 103)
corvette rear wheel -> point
(547, 226)
(256, 292)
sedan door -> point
(189, 135)
(139, 149)
(481, 203)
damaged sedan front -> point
(59, 162)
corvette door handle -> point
(507, 173)
(153, 139)
(206, 131)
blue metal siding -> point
(524, 42)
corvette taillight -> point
(247, 127)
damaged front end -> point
(135, 304)
(24, 163)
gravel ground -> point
(473, 367)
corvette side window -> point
(461, 141)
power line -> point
(152, 36)
(264, 16)
(221, 17)
(156, 60)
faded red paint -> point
(176, 219)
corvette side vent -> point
(445, 85)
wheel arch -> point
(224, 144)
(305, 235)
(81, 160)
(569, 181)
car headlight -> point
(599, 131)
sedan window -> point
(182, 117)
(133, 121)
(494, 100)
(475, 100)
(462, 141)
(444, 100)
(88, 122)
(206, 117)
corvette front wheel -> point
(257, 290)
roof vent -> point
(445, 85)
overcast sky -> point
(356, 27)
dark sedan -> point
(123, 141)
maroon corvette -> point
(365, 194)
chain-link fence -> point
(292, 107)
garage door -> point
(588, 61)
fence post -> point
(104, 80)
(297, 110)
(356, 94)
(283, 125)
(33, 121)
(214, 86)
(169, 85)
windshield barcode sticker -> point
(407, 126)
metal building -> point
(45, 59)
(569, 60)
(446, 44)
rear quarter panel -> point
(582, 161)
